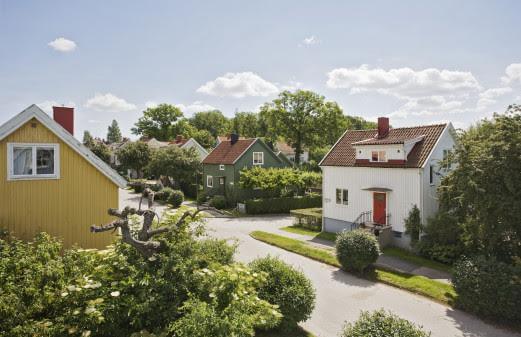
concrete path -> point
(341, 296)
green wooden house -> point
(222, 167)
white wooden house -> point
(377, 176)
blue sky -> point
(415, 61)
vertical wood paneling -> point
(64, 207)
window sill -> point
(53, 177)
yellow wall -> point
(64, 207)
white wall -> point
(430, 199)
(404, 183)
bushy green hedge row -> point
(489, 288)
(282, 205)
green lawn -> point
(413, 258)
(438, 291)
(305, 231)
(299, 332)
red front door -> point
(379, 207)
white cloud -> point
(429, 106)
(403, 82)
(311, 40)
(47, 105)
(109, 102)
(239, 85)
(512, 74)
(63, 45)
(195, 107)
(488, 97)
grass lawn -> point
(305, 231)
(438, 291)
(299, 332)
(413, 258)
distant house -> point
(375, 177)
(222, 166)
(51, 182)
(289, 152)
(190, 144)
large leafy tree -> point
(101, 150)
(185, 129)
(181, 165)
(304, 119)
(158, 122)
(483, 191)
(212, 121)
(134, 156)
(246, 124)
(113, 133)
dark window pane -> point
(45, 161)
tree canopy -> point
(181, 165)
(113, 133)
(135, 155)
(158, 122)
(212, 121)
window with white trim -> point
(209, 181)
(378, 156)
(258, 158)
(33, 161)
(446, 163)
(221, 167)
(342, 196)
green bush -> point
(356, 250)
(489, 288)
(380, 323)
(441, 239)
(156, 187)
(164, 194)
(201, 197)
(282, 205)
(176, 198)
(218, 201)
(288, 288)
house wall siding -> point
(404, 183)
(65, 207)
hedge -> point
(282, 205)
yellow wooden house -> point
(50, 182)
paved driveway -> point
(341, 296)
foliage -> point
(164, 194)
(101, 150)
(176, 198)
(288, 288)
(158, 122)
(356, 250)
(483, 191)
(441, 240)
(413, 225)
(87, 139)
(181, 165)
(304, 119)
(489, 288)
(201, 197)
(218, 201)
(48, 291)
(134, 155)
(212, 121)
(246, 124)
(281, 181)
(282, 205)
(185, 129)
(113, 132)
(380, 323)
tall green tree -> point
(483, 191)
(246, 124)
(134, 156)
(181, 165)
(301, 118)
(101, 150)
(212, 121)
(113, 133)
(185, 129)
(87, 138)
(158, 122)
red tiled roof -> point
(343, 153)
(226, 153)
(179, 142)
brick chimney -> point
(383, 127)
(65, 117)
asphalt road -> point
(341, 296)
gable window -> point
(209, 181)
(446, 154)
(378, 156)
(342, 196)
(33, 161)
(221, 180)
(258, 158)
(221, 167)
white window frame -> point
(34, 175)
(209, 181)
(261, 162)
(381, 158)
(221, 167)
(343, 192)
